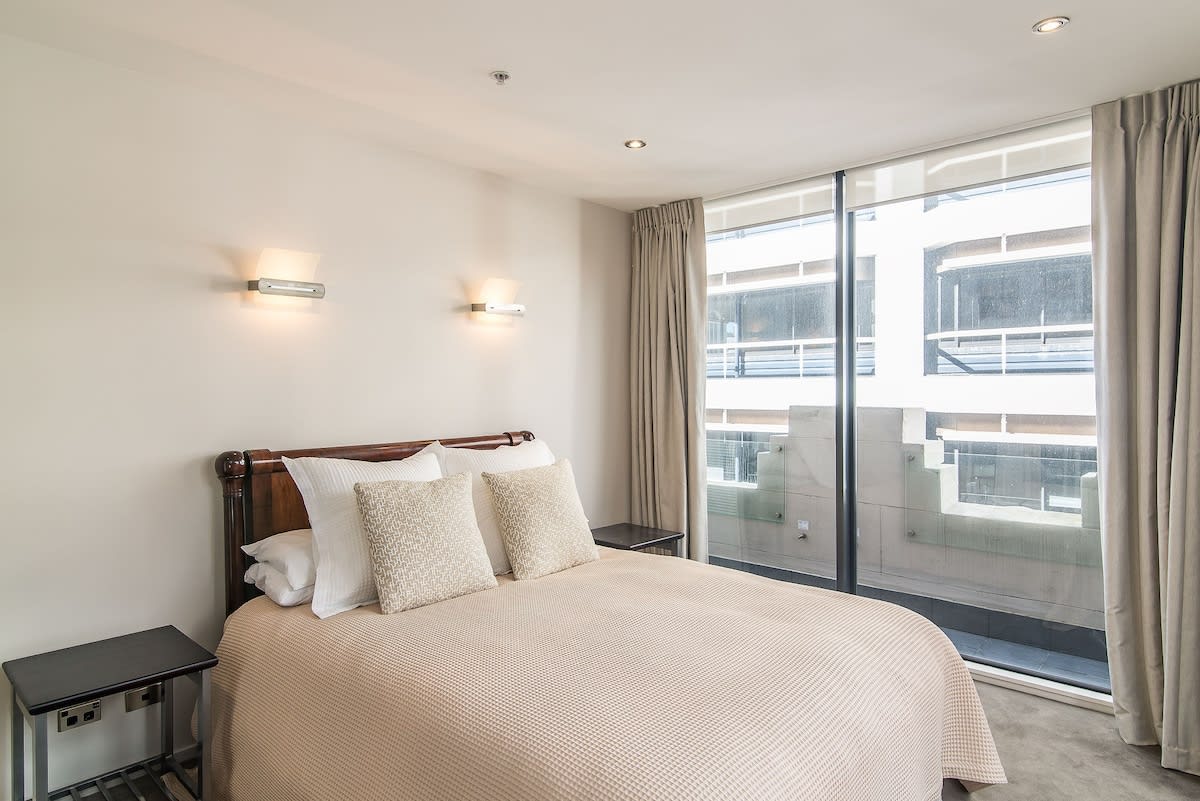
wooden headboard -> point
(261, 499)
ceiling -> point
(729, 96)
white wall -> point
(130, 212)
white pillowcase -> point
(343, 561)
(290, 553)
(438, 449)
(500, 460)
(276, 587)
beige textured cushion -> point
(425, 545)
(541, 519)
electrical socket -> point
(143, 697)
(80, 715)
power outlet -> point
(143, 697)
(77, 716)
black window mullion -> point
(846, 416)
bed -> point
(635, 676)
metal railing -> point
(784, 357)
(1001, 351)
(1044, 483)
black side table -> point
(629, 537)
(48, 683)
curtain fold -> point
(667, 363)
(1145, 218)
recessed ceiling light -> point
(1050, 24)
(635, 144)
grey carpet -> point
(1056, 752)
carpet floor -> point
(1056, 752)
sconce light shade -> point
(499, 308)
(296, 268)
(295, 289)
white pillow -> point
(500, 460)
(290, 553)
(436, 447)
(276, 587)
(344, 578)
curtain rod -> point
(916, 151)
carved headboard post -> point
(231, 469)
(517, 437)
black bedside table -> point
(57, 681)
(629, 537)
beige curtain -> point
(1146, 220)
(667, 362)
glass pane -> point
(977, 438)
(770, 398)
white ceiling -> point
(729, 95)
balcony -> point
(1008, 351)
(784, 358)
(1010, 584)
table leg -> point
(204, 737)
(167, 718)
(41, 787)
(18, 749)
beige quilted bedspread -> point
(633, 677)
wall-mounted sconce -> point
(516, 309)
(496, 296)
(293, 268)
(295, 289)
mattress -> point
(632, 677)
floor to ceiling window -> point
(771, 325)
(976, 490)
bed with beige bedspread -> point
(632, 677)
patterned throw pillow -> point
(425, 545)
(541, 519)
